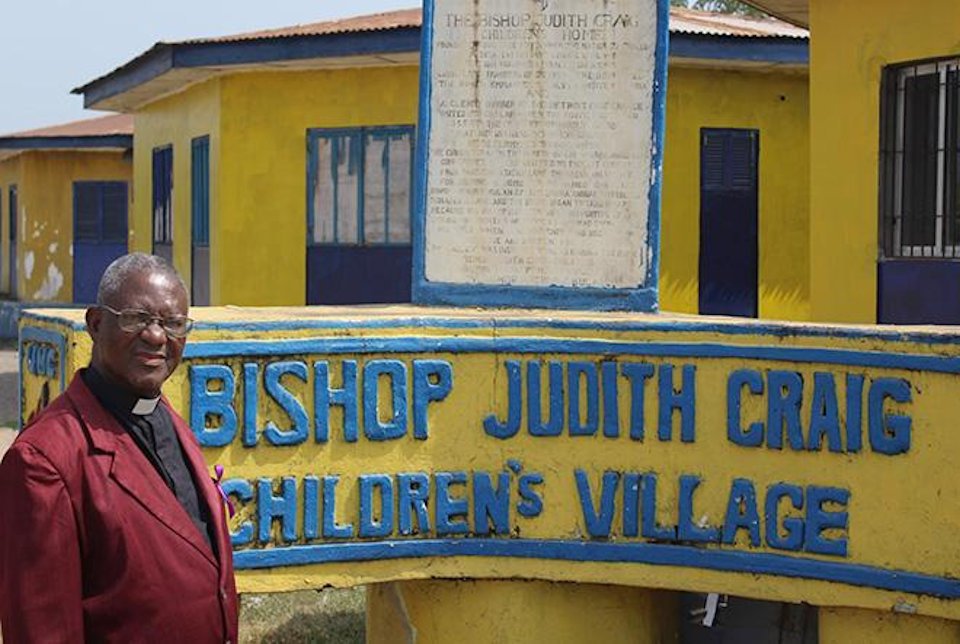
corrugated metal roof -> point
(357, 24)
(686, 21)
(159, 59)
(704, 23)
(111, 125)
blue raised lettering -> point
(413, 492)
(491, 505)
(395, 372)
(688, 529)
(432, 382)
(332, 529)
(491, 425)
(283, 507)
(299, 422)
(637, 373)
(251, 385)
(784, 394)
(819, 520)
(531, 503)
(854, 412)
(372, 485)
(649, 528)
(241, 490)
(555, 395)
(824, 413)
(577, 372)
(598, 519)
(206, 402)
(311, 507)
(631, 504)
(889, 433)
(742, 513)
(753, 436)
(683, 401)
(451, 511)
(326, 397)
(793, 526)
(611, 412)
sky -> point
(51, 46)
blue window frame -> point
(162, 198)
(360, 185)
(200, 191)
(100, 211)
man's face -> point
(142, 361)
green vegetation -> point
(720, 6)
(334, 616)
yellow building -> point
(294, 147)
(65, 198)
(884, 141)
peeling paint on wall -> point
(51, 284)
(28, 261)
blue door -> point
(359, 208)
(200, 221)
(99, 233)
(12, 213)
(728, 221)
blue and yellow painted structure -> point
(636, 455)
(257, 120)
(851, 46)
(38, 175)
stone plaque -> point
(540, 136)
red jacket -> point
(94, 546)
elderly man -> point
(111, 529)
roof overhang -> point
(168, 68)
(105, 142)
(745, 53)
(796, 12)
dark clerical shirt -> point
(156, 436)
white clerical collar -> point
(145, 406)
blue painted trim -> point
(791, 51)
(550, 297)
(33, 334)
(124, 141)
(642, 297)
(528, 345)
(659, 107)
(424, 125)
(149, 65)
(655, 554)
(164, 57)
(773, 330)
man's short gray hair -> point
(121, 268)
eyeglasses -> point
(135, 321)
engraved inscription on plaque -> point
(540, 142)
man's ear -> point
(94, 317)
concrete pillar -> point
(517, 612)
(843, 625)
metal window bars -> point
(920, 160)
